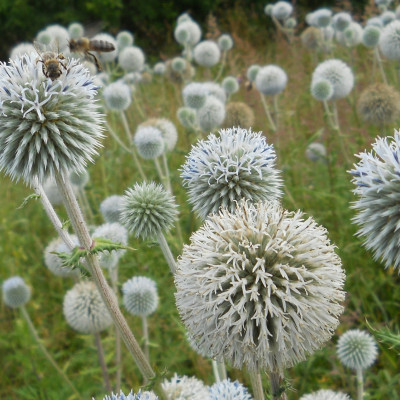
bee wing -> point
(39, 47)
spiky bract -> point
(16, 293)
(228, 390)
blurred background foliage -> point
(151, 21)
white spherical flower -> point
(371, 35)
(84, 309)
(115, 232)
(131, 59)
(124, 39)
(59, 35)
(185, 388)
(117, 96)
(322, 90)
(178, 64)
(109, 56)
(271, 80)
(260, 287)
(159, 68)
(149, 142)
(290, 23)
(230, 84)
(110, 208)
(183, 18)
(374, 21)
(324, 394)
(47, 126)
(22, 49)
(187, 117)
(268, 9)
(321, 18)
(140, 296)
(222, 170)
(187, 32)
(44, 38)
(282, 10)
(76, 30)
(167, 128)
(213, 89)
(341, 21)
(351, 36)
(194, 95)
(389, 42)
(16, 293)
(357, 349)
(212, 114)
(316, 152)
(252, 72)
(225, 42)
(207, 53)
(132, 396)
(91, 67)
(377, 188)
(228, 390)
(338, 74)
(387, 17)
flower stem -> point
(167, 252)
(102, 362)
(146, 336)
(117, 139)
(267, 113)
(256, 384)
(380, 64)
(215, 371)
(166, 170)
(45, 352)
(360, 384)
(221, 370)
(222, 66)
(275, 380)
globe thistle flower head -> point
(183, 18)
(230, 84)
(148, 210)
(106, 57)
(187, 117)
(212, 114)
(168, 131)
(59, 35)
(207, 53)
(321, 18)
(374, 21)
(316, 152)
(322, 90)
(185, 388)
(252, 72)
(341, 21)
(379, 104)
(159, 68)
(79, 179)
(357, 349)
(271, 80)
(91, 67)
(16, 293)
(387, 17)
(21, 50)
(117, 96)
(213, 89)
(260, 287)
(389, 41)
(124, 39)
(377, 184)
(397, 12)
(290, 23)
(187, 32)
(76, 30)
(178, 64)
(282, 10)
(132, 396)
(149, 142)
(140, 296)
(351, 36)
(131, 59)
(371, 35)
(115, 232)
(338, 74)
(228, 390)
(47, 126)
(225, 42)
(220, 171)
(194, 95)
(268, 9)
(84, 309)
(239, 114)
(325, 394)
(110, 208)
(44, 38)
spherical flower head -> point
(228, 390)
(16, 293)
(225, 42)
(194, 95)
(187, 117)
(213, 89)
(207, 53)
(322, 90)
(117, 96)
(79, 179)
(377, 188)
(397, 12)
(374, 21)
(159, 68)
(322, 17)
(324, 394)
(132, 396)
(282, 10)
(46, 126)
(387, 17)
(131, 59)
(252, 72)
(178, 64)
(239, 114)
(212, 114)
(21, 50)
(187, 32)
(140, 296)
(338, 74)
(341, 21)
(149, 142)
(54, 263)
(115, 232)
(389, 42)
(76, 30)
(110, 208)
(316, 152)
(260, 287)
(59, 35)
(185, 388)
(379, 104)
(168, 131)
(183, 18)
(290, 23)
(124, 39)
(230, 84)
(109, 56)
(271, 80)
(179, 77)
(357, 349)
(268, 9)
(148, 210)
(44, 38)
(371, 35)
(84, 309)
(222, 170)
(351, 36)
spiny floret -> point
(222, 170)
(260, 287)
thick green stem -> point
(256, 384)
(360, 384)
(102, 362)
(167, 252)
(215, 371)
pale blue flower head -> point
(282, 10)
(16, 293)
(225, 42)
(124, 39)
(228, 390)
(194, 95)
(149, 142)
(212, 114)
(271, 80)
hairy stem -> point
(167, 252)
(102, 362)
(256, 384)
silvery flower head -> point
(212, 114)
(230, 84)
(132, 396)
(185, 388)
(214, 89)
(322, 90)
(148, 210)
(79, 179)
(207, 53)
(225, 42)
(338, 74)
(374, 21)
(140, 296)
(271, 80)
(187, 117)
(46, 126)
(290, 23)
(159, 68)
(21, 50)
(194, 95)
(351, 36)
(260, 287)
(282, 10)
(268, 9)
(149, 142)
(357, 349)
(389, 42)
(16, 293)
(321, 18)
(109, 56)
(59, 35)
(377, 180)
(43, 37)
(110, 208)
(168, 131)
(76, 30)
(84, 309)
(252, 72)
(223, 169)
(371, 35)
(228, 390)
(316, 152)
(183, 18)
(124, 39)
(325, 394)
(188, 32)
(131, 59)
(387, 17)
(117, 96)
(178, 64)
(341, 21)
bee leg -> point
(63, 65)
(96, 61)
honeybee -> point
(52, 62)
(85, 45)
